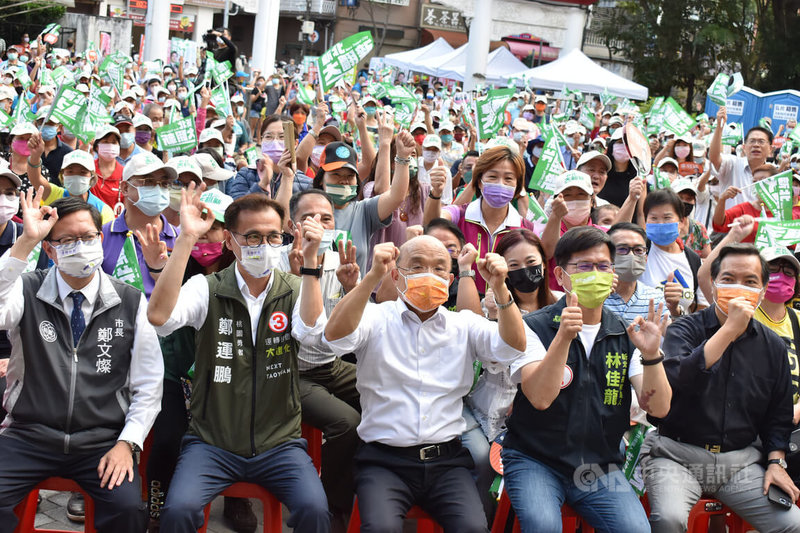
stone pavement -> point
(52, 514)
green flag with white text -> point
(675, 118)
(777, 233)
(776, 193)
(490, 114)
(178, 136)
(127, 268)
(661, 181)
(340, 59)
(535, 211)
(222, 101)
(549, 166)
(723, 87)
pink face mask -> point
(107, 151)
(21, 147)
(206, 253)
(620, 153)
(780, 288)
(682, 152)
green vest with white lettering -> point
(245, 398)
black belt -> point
(711, 447)
(425, 452)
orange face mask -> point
(726, 292)
(425, 292)
(299, 119)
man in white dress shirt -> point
(414, 366)
(85, 371)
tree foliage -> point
(681, 45)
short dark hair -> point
(740, 249)
(664, 197)
(579, 239)
(251, 202)
(471, 153)
(628, 226)
(763, 130)
(72, 204)
(294, 201)
(443, 223)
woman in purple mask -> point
(498, 179)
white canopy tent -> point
(404, 60)
(576, 71)
(432, 65)
(500, 64)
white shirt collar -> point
(243, 285)
(404, 311)
(474, 213)
(89, 291)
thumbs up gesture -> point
(672, 294)
(571, 318)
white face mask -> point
(79, 259)
(258, 261)
(9, 206)
(327, 239)
(537, 151)
(429, 156)
(578, 211)
(76, 184)
(316, 154)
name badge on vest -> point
(567, 379)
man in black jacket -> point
(731, 384)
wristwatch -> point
(779, 462)
(316, 272)
(466, 274)
(135, 449)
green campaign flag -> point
(127, 268)
(587, 118)
(626, 107)
(764, 123)
(22, 111)
(338, 106)
(221, 72)
(606, 97)
(398, 93)
(631, 467)
(113, 66)
(660, 180)
(377, 90)
(403, 112)
(178, 136)
(305, 95)
(786, 148)
(69, 107)
(22, 76)
(252, 154)
(676, 119)
(795, 135)
(6, 120)
(491, 111)
(222, 101)
(777, 233)
(655, 118)
(535, 211)
(62, 75)
(50, 33)
(339, 60)
(572, 95)
(549, 167)
(46, 76)
(97, 107)
(732, 133)
(724, 86)
(33, 258)
(776, 193)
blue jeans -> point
(204, 471)
(475, 441)
(537, 492)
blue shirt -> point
(638, 305)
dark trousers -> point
(168, 430)
(330, 403)
(22, 466)
(204, 471)
(389, 483)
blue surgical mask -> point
(370, 111)
(662, 234)
(447, 138)
(126, 140)
(12, 56)
(152, 200)
(49, 132)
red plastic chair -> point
(26, 510)
(425, 524)
(314, 438)
(272, 507)
(570, 520)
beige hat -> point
(432, 141)
(573, 178)
(183, 163)
(210, 168)
(79, 157)
(594, 154)
(209, 134)
(771, 253)
(145, 163)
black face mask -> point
(526, 279)
(687, 208)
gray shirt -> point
(360, 220)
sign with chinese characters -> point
(339, 60)
(441, 18)
(178, 136)
(784, 112)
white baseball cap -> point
(79, 157)
(573, 178)
(210, 168)
(145, 163)
(667, 160)
(594, 154)
(23, 128)
(208, 134)
(771, 253)
(104, 130)
(683, 184)
(217, 201)
(142, 120)
(432, 141)
(183, 163)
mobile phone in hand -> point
(779, 497)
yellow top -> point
(784, 329)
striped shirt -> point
(638, 305)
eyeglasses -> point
(588, 266)
(274, 239)
(757, 142)
(786, 269)
(440, 271)
(452, 249)
(637, 250)
(86, 237)
(152, 182)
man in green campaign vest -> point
(249, 319)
